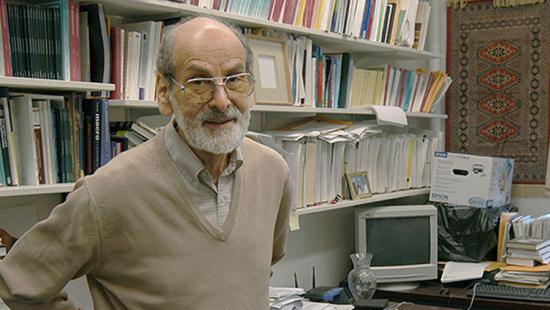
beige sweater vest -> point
(134, 230)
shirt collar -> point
(187, 161)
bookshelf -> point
(133, 104)
(338, 42)
(27, 190)
(52, 85)
(352, 203)
(146, 104)
(137, 10)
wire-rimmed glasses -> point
(201, 90)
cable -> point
(473, 295)
(396, 307)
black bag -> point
(467, 234)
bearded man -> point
(192, 219)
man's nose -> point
(220, 100)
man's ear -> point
(163, 98)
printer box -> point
(469, 180)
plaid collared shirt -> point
(214, 202)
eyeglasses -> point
(201, 90)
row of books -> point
(128, 134)
(412, 90)
(48, 139)
(57, 39)
(331, 80)
(321, 152)
(40, 40)
(134, 47)
(401, 22)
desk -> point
(437, 295)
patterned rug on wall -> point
(498, 102)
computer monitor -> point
(403, 242)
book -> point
(503, 235)
(84, 46)
(99, 45)
(5, 167)
(520, 261)
(533, 244)
(527, 253)
(153, 123)
(150, 41)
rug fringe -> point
(497, 3)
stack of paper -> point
(285, 298)
(528, 252)
(456, 271)
(524, 240)
(537, 277)
(319, 153)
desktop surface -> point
(436, 294)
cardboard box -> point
(468, 180)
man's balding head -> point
(196, 32)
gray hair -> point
(165, 56)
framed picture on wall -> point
(271, 72)
(358, 184)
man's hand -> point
(7, 239)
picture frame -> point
(358, 185)
(271, 72)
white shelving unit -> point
(353, 203)
(133, 104)
(333, 42)
(338, 42)
(27, 190)
(289, 109)
(53, 85)
(143, 104)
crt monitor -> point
(402, 240)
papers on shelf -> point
(389, 115)
(455, 271)
(522, 277)
(320, 152)
(285, 298)
(308, 305)
(278, 292)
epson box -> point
(469, 180)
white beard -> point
(215, 141)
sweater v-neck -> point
(169, 169)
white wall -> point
(533, 206)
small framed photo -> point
(271, 70)
(358, 184)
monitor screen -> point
(402, 240)
(392, 247)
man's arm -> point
(50, 254)
(281, 227)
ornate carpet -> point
(498, 102)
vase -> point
(361, 279)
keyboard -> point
(511, 292)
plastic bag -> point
(467, 234)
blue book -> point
(105, 135)
(408, 88)
(366, 18)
